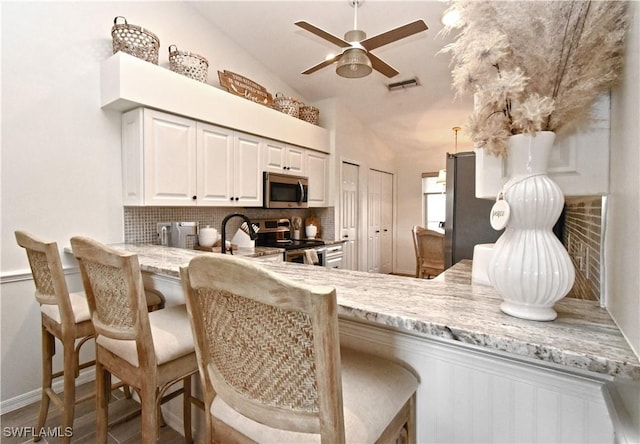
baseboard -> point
(33, 396)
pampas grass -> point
(533, 65)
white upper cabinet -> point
(172, 161)
(216, 161)
(158, 159)
(318, 173)
(286, 159)
(579, 161)
(230, 167)
(247, 171)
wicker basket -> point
(309, 113)
(287, 105)
(135, 40)
(188, 64)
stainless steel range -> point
(276, 233)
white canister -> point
(207, 236)
(311, 231)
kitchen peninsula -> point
(500, 376)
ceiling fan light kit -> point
(354, 64)
(356, 59)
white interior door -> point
(349, 213)
(386, 222)
(373, 221)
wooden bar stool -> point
(272, 367)
(147, 351)
(65, 316)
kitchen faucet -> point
(223, 241)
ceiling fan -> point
(356, 59)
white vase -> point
(530, 267)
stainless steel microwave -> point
(285, 191)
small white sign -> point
(500, 213)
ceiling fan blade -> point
(322, 65)
(325, 35)
(381, 66)
(393, 35)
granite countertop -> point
(583, 337)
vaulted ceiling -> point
(415, 118)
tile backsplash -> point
(582, 238)
(140, 222)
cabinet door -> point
(169, 159)
(285, 159)
(248, 171)
(579, 161)
(317, 171)
(275, 157)
(215, 165)
(296, 159)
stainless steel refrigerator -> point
(467, 220)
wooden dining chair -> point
(429, 249)
(272, 368)
(64, 316)
(147, 351)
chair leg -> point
(48, 350)
(103, 393)
(186, 409)
(149, 417)
(69, 401)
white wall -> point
(622, 245)
(60, 151)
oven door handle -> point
(301, 192)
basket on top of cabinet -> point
(135, 40)
(188, 64)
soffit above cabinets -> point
(128, 82)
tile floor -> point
(24, 420)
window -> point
(434, 202)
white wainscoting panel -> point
(469, 396)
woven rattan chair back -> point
(267, 346)
(115, 293)
(48, 275)
(429, 247)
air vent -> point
(409, 83)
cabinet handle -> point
(385, 230)
(237, 198)
(194, 197)
(346, 236)
(377, 231)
